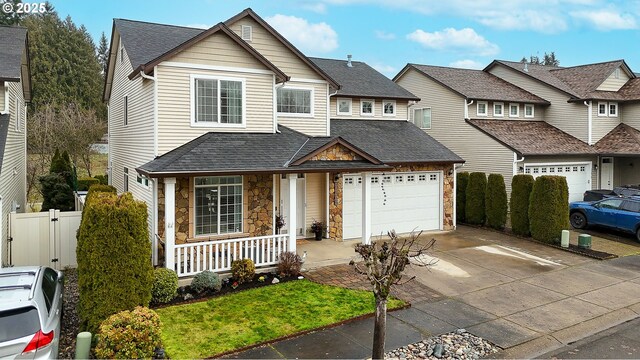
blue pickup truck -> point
(617, 213)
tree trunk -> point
(380, 328)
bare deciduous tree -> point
(383, 264)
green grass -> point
(229, 322)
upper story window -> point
(344, 107)
(247, 32)
(498, 109)
(529, 110)
(217, 101)
(482, 108)
(613, 109)
(602, 109)
(292, 101)
(389, 108)
(422, 118)
(367, 107)
(125, 110)
(514, 110)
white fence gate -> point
(44, 238)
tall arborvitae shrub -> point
(496, 205)
(57, 186)
(521, 187)
(114, 258)
(99, 188)
(549, 208)
(474, 207)
(462, 180)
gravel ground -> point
(70, 321)
(455, 345)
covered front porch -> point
(619, 157)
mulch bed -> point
(70, 321)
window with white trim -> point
(217, 101)
(498, 109)
(142, 180)
(125, 185)
(125, 110)
(529, 110)
(613, 109)
(514, 110)
(343, 107)
(247, 32)
(218, 205)
(389, 108)
(422, 118)
(295, 101)
(367, 107)
(602, 109)
(482, 108)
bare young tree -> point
(383, 264)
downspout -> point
(466, 108)
(589, 123)
(154, 78)
(154, 182)
(275, 104)
(109, 145)
(455, 194)
(409, 105)
(6, 99)
(329, 111)
(515, 163)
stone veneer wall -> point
(182, 209)
(259, 200)
(337, 152)
(335, 207)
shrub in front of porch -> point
(289, 264)
(114, 270)
(131, 334)
(521, 187)
(243, 270)
(549, 208)
(496, 202)
(475, 201)
(206, 281)
(165, 285)
(462, 180)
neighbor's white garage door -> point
(400, 201)
(578, 176)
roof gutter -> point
(6, 99)
(294, 155)
(275, 104)
(589, 123)
(515, 163)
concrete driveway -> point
(524, 296)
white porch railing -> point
(217, 256)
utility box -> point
(584, 241)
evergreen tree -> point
(103, 53)
(10, 17)
(549, 59)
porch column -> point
(366, 208)
(169, 222)
(293, 181)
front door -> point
(606, 173)
(300, 204)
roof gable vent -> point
(247, 32)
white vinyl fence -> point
(44, 238)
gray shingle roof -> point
(362, 80)
(12, 45)
(4, 130)
(477, 84)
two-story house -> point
(15, 92)
(541, 120)
(221, 131)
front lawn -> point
(229, 322)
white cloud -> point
(465, 40)
(317, 7)
(382, 35)
(308, 37)
(607, 19)
(387, 70)
(467, 64)
(524, 20)
(198, 26)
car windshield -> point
(18, 323)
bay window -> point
(218, 205)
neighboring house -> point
(15, 92)
(221, 130)
(514, 118)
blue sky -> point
(389, 33)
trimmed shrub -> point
(496, 205)
(549, 208)
(243, 270)
(474, 207)
(462, 180)
(98, 188)
(289, 264)
(129, 335)
(165, 285)
(206, 281)
(84, 183)
(103, 179)
(114, 271)
(521, 187)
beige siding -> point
(316, 198)
(480, 151)
(631, 114)
(568, 117)
(401, 109)
(13, 172)
(275, 51)
(1, 96)
(613, 84)
(538, 112)
(174, 105)
(601, 125)
(566, 159)
(131, 146)
(315, 125)
(625, 171)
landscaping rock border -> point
(70, 320)
(459, 344)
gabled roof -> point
(631, 90)
(474, 84)
(532, 137)
(14, 66)
(361, 80)
(4, 130)
(622, 140)
(311, 149)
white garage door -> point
(578, 176)
(399, 201)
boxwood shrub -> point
(549, 208)
(475, 198)
(165, 285)
(496, 202)
(113, 253)
(84, 183)
(99, 188)
(462, 180)
(521, 187)
(243, 270)
(129, 335)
